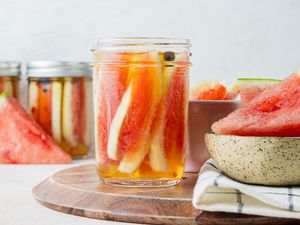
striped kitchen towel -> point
(215, 191)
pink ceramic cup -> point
(202, 114)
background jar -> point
(10, 73)
(141, 102)
(59, 99)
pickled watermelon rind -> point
(250, 82)
(136, 140)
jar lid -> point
(10, 68)
(58, 69)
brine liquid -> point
(10, 85)
(175, 170)
(141, 115)
(62, 107)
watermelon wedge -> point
(23, 140)
(116, 124)
(135, 136)
(176, 114)
(274, 112)
(251, 87)
(157, 153)
(110, 83)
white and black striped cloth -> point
(215, 191)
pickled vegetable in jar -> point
(141, 102)
(10, 73)
(59, 99)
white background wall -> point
(230, 37)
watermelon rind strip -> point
(259, 79)
(256, 81)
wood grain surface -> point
(78, 191)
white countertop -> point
(18, 207)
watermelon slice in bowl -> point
(213, 90)
(250, 143)
(249, 88)
(22, 140)
(274, 112)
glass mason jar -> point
(140, 107)
(10, 73)
(59, 99)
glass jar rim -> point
(10, 68)
(139, 41)
(48, 68)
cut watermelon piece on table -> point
(274, 112)
(23, 140)
(251, 87)
(135, 136)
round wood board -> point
(78, 191)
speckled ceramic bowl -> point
(257, 160)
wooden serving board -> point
(78, 191)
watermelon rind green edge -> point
(256, 81)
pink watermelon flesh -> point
(112, 86)
(274, 112)
(249, 93)
(22, 140)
